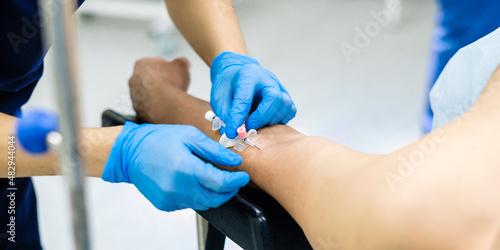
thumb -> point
(219, 180)
(241, 105)
(212, 151)
(220, 100)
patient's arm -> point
(349, 200)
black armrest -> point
(252, 219)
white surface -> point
(141, 10)
(371, 104)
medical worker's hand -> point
(162, 162)
(239, 85)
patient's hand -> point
(151, 79)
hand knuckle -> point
(248, 74)
(251, 68)
(287, 100)
(141, 63)
(276, 96)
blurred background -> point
(371, 101)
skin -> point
(210, 26)
(439, 192)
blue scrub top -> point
(458, 24)
(21, 66)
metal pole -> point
(59, 31)
(202, 231)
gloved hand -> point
(160, 161)
(239, 85)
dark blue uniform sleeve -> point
(20, 68)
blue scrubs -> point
(458, 24)
(21, 66)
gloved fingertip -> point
(253, 123)
(230, 159)
(287, 118)
(233, 181)
(255, 120)
(223, 198)
(231, 133)
(241, 178)
(224, 181)
(291, 114)
(235, 159)
(285, 121)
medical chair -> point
(252, 219)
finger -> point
(199, 205)
(212, 151)
(184, 61)
(283, 108)
(221, 198)
(290, 115)
(241, 105)
(220, 181)
(287, 99)
(209, 198)
(195, 199)
(288, 105)
(220, 101)
(190, 194)
(196, 204)
(269, 111)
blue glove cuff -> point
(227, 59)
(116, 168)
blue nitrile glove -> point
(160, 161)
(240, 84)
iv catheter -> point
(43, 128)
(239, 143)
(217, 123)
(242, 133)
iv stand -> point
(59, 31)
